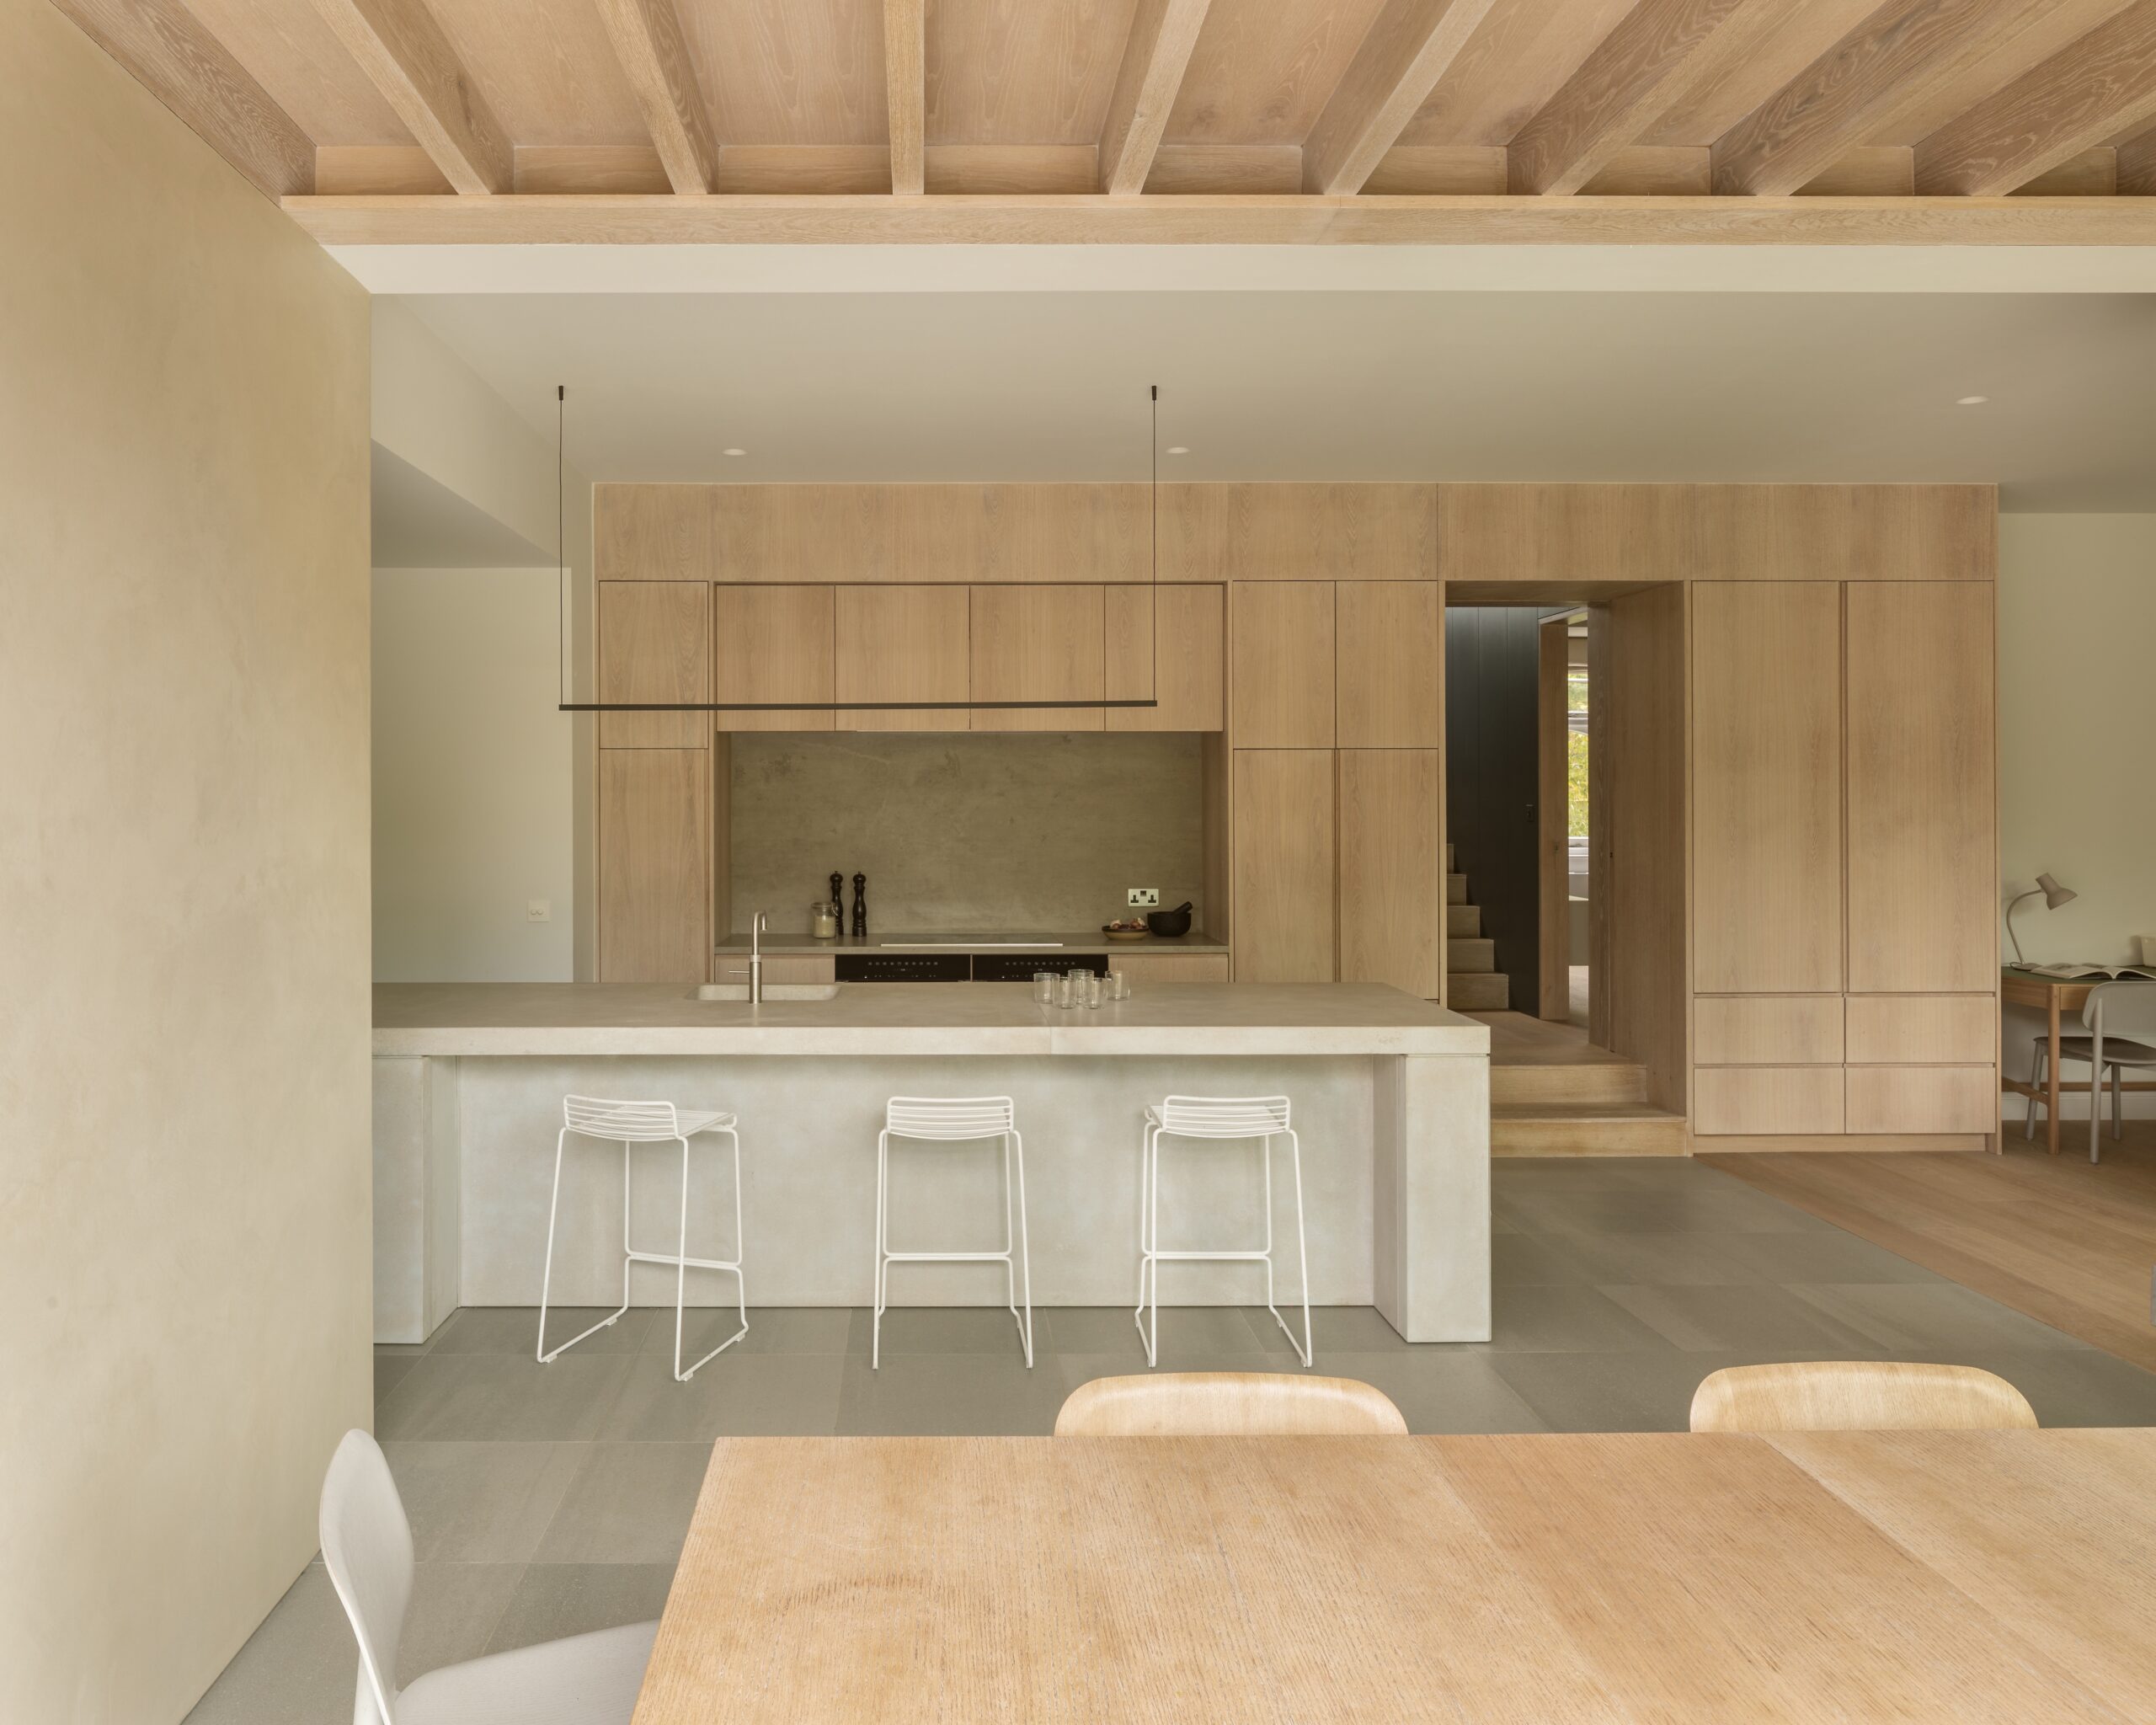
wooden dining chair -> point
(1857, 1395)
(1228, 1404)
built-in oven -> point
(958, 967)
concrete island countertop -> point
(790, 944)
(1269, 1019)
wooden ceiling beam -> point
(401, 47)
(1410, 46)
(1894, 62)
(2134, 171)
(1300, 219)
(905, 82)
(188, 70)
(655, 57)
(1154, 57)
(2094, 89)
(1659, 53)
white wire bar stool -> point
(1263, 1118)
(630, 1123)
(959, 1120)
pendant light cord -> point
(561, 548)
(1154, 597)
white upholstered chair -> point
(2121, 1019)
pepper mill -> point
(838, 898)
(859, 905)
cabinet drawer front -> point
(1922, 1099)
(1766, 1101)
(1768, 1029)
(1171, 967)
(1922, 1029)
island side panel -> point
(418, 1247)
(809, 1130)
(1430, 1219)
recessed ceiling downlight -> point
(736, 451)
(1971, 401)
(1178, 449)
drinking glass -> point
(1044, 988)
(1118, 988)
(1093, 980)
(1063, 991)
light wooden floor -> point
(1518, 1039)
(2054, 1237)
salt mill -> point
(859, 905)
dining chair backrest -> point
(1857, 1395)
(1228, 1404)
(2124, 1009)
(366, 1546)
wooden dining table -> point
(1906, 1576)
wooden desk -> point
(1978, 1576)
(2053, 997)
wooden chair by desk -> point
(2053, 997)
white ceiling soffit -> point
(418, 523)
(1583, 387)
(954, 268)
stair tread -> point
(1580, 1112)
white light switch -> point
(538, 910)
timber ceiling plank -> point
(1510, 68)
(1659, 53)
(2088, 92)
(905, 73)
(1023, 71)
(1408, 48)
(401, 46)
(1163, 33)
(1262, 69)
(179, 63)
(655, 57)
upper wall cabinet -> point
(652, 532)
(903, 643)
(1922, 822)
(1767, 787)
(1391, 667)
(654, 645)
(1168, 644)
(775, 644)
(1038, 643)
(1283, 635)
(1294, 532)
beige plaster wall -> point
(184, 1051)
(2076, 707)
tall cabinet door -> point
(1282, 660)
(1391, 677)
(654, 647)
(1284, 871)
(1767, 787)
(1922, 840)
(654, 834)
(1392, 876)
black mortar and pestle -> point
(1167, 925)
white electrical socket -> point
(1141, 896)
(538, 910)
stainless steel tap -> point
(756, 925)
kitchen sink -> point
(772, 992)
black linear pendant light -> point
(565, 705)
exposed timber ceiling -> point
(2018, 122)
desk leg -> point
(2050, 1081)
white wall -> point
(473, 800)
(2077, 654)
(185, 1253)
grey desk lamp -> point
(2054, 896)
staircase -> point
(1473, 982)
(1597, 1106)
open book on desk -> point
(2089, 973)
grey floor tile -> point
(1657, 1259)
(389, 1369)
(735, 1396)
(629, 1504)
(1677, 1210)
(1931, 1316)
(1566, 1320)
(505, 1396)
(772, 1329)
(1334, 1329)
(1440, 1390)
(942, 1329)
(1818, 1256)
(1534, 1261)
(555, 1599)
(455, 1609)
(481, 1502)
(400, 1350)
(299, 1666)
(950, 1395)
(1762, 1317)
(514, 1329)
(1186, 1332)
(2070, 1386)
(1610, 1392)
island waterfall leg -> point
(1430, 1196)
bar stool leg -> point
(546, 1278)
(1153, 1249)
(883, 1245)
(1014, 1150)
(1302, 1243)
(1144, 1236)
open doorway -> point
(1564, 806)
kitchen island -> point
(1390, 1097)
